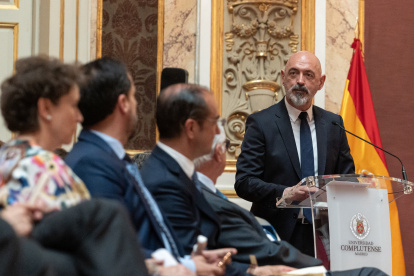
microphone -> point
(404, 174)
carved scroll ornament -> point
(259, 37)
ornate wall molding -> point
(251, 42)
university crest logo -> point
(359, 226)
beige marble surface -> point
(340, 25)
(94, 11)
(180, 25)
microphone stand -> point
(404, 174)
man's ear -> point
(44, 108)
(282, 75)
(123, 103)
(322, 81)
(190, 128)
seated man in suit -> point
(239, 227)
(108, 106)
(187, 119)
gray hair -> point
(218, 139)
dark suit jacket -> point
(25, 256)
(269, 161)
(241, 230)
(181, 202)
(185, 206)
(106, 176)
(91, 238)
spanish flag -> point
(359, 117)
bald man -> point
(271, 153)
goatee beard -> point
(300, 98)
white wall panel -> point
(54, 28)
(6, 49)
(7, 46)
(70, 40)
(8, 4)
(84, 36)
(15, 41)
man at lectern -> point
(287, 142)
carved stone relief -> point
(259, 37)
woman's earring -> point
(48, 117)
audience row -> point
(95, 213)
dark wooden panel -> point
(129, 34)
(389, 60)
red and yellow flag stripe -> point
(359, 117)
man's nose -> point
(301, 79)
(217, 129)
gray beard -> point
(299, 99)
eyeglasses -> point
(220, 121)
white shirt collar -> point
(186, 164)
(294, 112)
(113, 143)
(206, 181)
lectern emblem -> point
(359, 226)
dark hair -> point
(176, 104)
(104, 80)
(61, 152)
(35, 78)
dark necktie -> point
(150, 204)
(306, 155)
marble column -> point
(180, 30)
(340, 25)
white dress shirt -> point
(295, 122)
(207, 182)
(186, 164)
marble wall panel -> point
(180, 28)
(93, 31)
(340, 26)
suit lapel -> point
(175, 168)
(92, 138)
(286, 132)
(321, 134)
(228, 202)
(204, 206)
(244, 214)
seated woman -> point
(40, 105)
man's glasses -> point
(220, 121)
